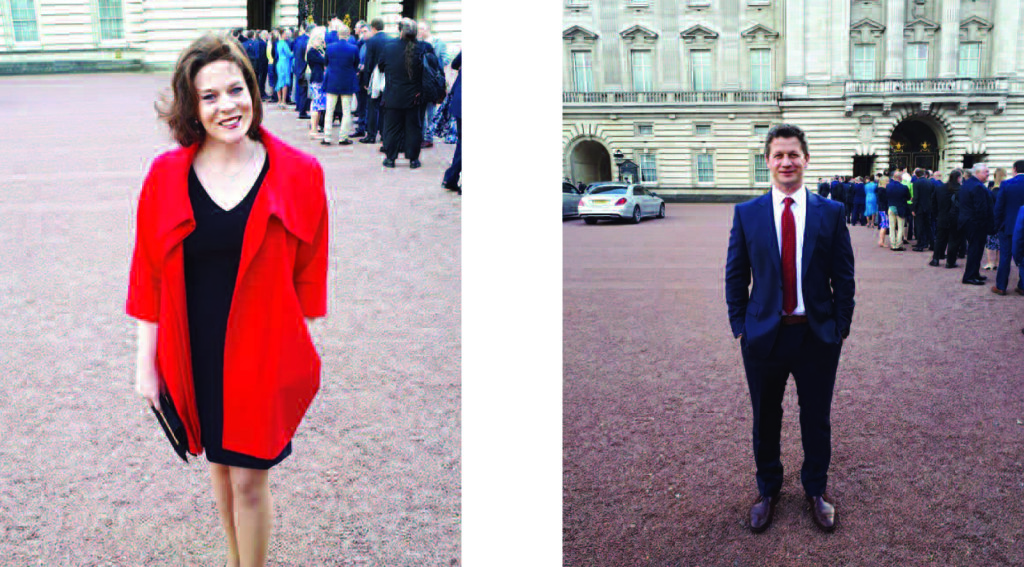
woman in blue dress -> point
(870, 201)
(284, 69)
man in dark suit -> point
(453, 173)
(375, 41)
(263, 64)
(1008, 203)
(252, 48)
(859, 202)
(974, 219)
(823, 188)
(299, 71)
(796, 247)
(897, 194)
(838, 194)
(923, 211)
(848, 198)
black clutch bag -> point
(172, 425)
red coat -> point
(271, 368)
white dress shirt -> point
(799, 208)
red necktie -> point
(788, 259)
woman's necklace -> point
(244, 167)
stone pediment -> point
(579, 33)
(638, 32)
(920, 30)
(699, 34)
(866, 30)
(973, 28)
(760, 32)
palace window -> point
(761, 131)
(641, 64)
(700, 64)
(970, 60)
(702, 129)
(864, 62)
(917, 61)
(582, 72)
(761, 69)
(705, 168)
(648, 170)
(645, 129)
(111, 19)
(23, 18)
(760, 168)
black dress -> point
(213, 252)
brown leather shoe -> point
(823, 513)
(761, 513)
(998, 291)
(1019, 291)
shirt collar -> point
(799, 197)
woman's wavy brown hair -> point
(181, 112)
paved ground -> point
(85, 475)
(928, 417)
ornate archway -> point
(589, 161)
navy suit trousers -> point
(813, 364)
(1003, 274)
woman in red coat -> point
(230, 262)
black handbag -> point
(172, 425)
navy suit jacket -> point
(455, 107)
(299, 64)
(859, 195)
(897, 194)
(974, 205)
(826, 269)
(1008, 202)
(342, 67)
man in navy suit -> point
(299, 71)
(1008, 203)
(796, 246)
(376, 39)
(975, 218)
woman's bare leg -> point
(221, 478)
(314, 118)
(254, 512)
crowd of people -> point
(962, 217)
(367, 83)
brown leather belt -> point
(794, 319)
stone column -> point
(839, 21)
(795, 84)
(730, 57)
(895, 18)
(950, 42)
(1004, 37)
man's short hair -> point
(785, 131)
(1018, 166)
(918, 172)
(377, 24)
(978, 167)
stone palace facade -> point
(687, 89)
(96, 35)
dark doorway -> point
(971, 159)
(259, 14)
(863, 166)
(913, 144)
(590, 163)
(412, 9)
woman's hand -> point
(147, 384)
(147, 380)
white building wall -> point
(813, 81)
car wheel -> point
(590, 221)
(636, 215)
(661, 211)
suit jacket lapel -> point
(769, 217)
(812, 225)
